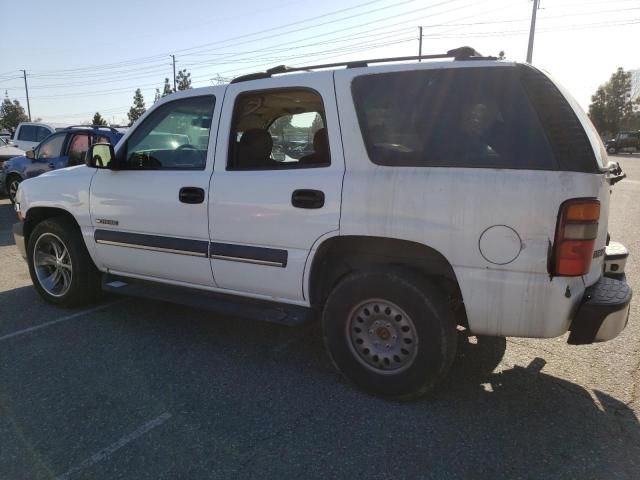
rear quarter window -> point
(472, 117)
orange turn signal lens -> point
(582, 211)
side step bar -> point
(283, 314)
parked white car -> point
(29, 134)
(8, 151)
(468, 193)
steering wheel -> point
(185, 146)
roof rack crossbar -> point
(462, 53)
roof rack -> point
(462, 53)
(94, 127)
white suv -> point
(400, 202)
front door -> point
(49, 155)
(277, 183)
(150, 215)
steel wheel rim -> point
(13, 188)
(382, 336)
(52, 264)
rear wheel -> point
(611, 150)
(391, 333)
(60, 266)
(13, 182)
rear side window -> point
(27, 133)
(567, 137)
(472, 117)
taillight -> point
(576, 234)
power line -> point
(158, 56)
(363, 45)
(507, 33)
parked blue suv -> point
(59, 150)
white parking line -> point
(63, 319)
(106, 452)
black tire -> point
(426, 307)
(85, 279)
(612, 150)
(11, 189)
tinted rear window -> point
(28, 133)
(471, 117)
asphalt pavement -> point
(133, 389)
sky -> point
(82, 57)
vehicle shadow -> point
(516, 422)
(251, 399)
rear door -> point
(277, 183)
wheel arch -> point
(36, 215)
(338, 256)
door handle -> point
(307, 199)
(52, 165)
(191, 195)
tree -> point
(98, 120)
(11, 114)
(167, 90)
(183, 80)
(611, 106)
(138, 108)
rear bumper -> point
(603, 312)
(18, 237)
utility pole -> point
(26, 89)
(420, 45)
(532, 32)
(174, 72)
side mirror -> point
(100, 155)
(30, 154)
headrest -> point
(256, 144)
(321, 142)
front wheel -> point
(611, 150)
(13, 182)
(390, 332)
(61, 269)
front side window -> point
(174, 137)
(471, 117)
(77, 149)
(51, 147)
(279, 129)
(27, 133)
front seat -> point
(254, 149)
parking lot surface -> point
(137, 389)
